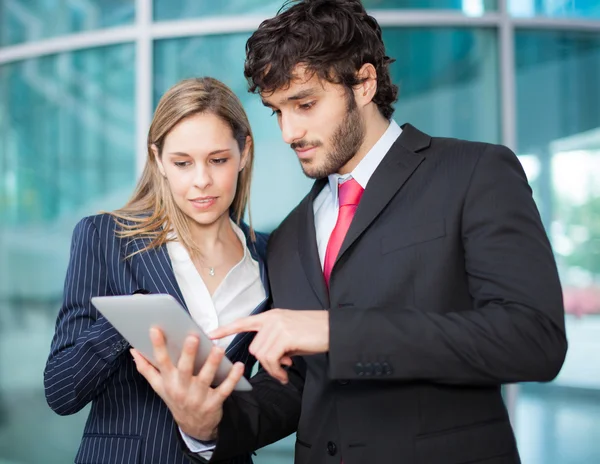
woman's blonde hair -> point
(151, 213)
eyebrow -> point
(302, 94)
(214, 152)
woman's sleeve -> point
(86, 348)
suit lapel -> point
(389, 177)
(307, 245)
(154, 270)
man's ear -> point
(366, 90)
(161, 168)
(246, 153)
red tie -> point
(350, 193)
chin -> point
(316, 172)
(205, 218)
(311, 170)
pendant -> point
(211, 271)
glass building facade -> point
(79, 81)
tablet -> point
(134, 315)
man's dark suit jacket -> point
(89, 360)
(445, 288)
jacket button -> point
(368, 369)
(387, 369)
(358, 368)
(331, 448)
(377, 369)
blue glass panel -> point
(32, 20)
(470, 7)
(67, 135)
(555, 8)
(448, 80)
(558, 109)
(185, 9)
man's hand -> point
(196, 406)
(282, 333)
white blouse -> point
(238, 294)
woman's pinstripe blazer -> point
(89, 360)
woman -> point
(181, 233)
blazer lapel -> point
(154, 270)
(240, 339)
(256, 255)
(307, 245)
(389, 177)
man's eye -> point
(307, 106)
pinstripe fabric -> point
(89, 360)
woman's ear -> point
(246, 153)
(161, 168)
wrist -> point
(199, 435)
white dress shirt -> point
(326, 206)
(238, 294)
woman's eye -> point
(181, 164)
(219, 160)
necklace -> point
(201, 265)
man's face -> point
(319, 120)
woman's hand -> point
(196, 406)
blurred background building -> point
(79, 80)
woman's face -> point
(201, 162)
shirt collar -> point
(365, 169)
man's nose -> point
(290, 130)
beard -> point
(345, 142)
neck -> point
(208, 237)
(375, 127)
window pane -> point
(31, 20)
(556, 8)
(470, 7)
(448, 80)
(66, 150)
(185, 9)
(558, 99)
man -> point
(416, 275)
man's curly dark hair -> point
(332, 38)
